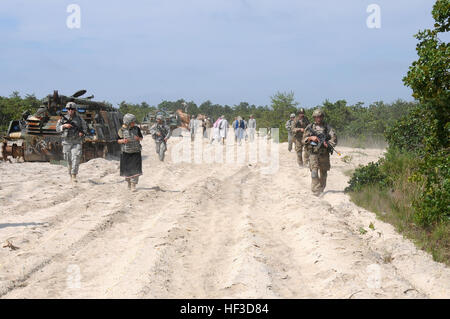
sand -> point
(201, 230)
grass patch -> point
(394, 207)
(347, 159)
(388, 189)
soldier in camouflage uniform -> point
(73, 129)
(319, 158)
(130, 138)
(288, 126)
(160, 133)
(298, 129)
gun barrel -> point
(87, 103)
(332, 147)
(322, 139)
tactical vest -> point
(71, 135)
(132, 146)
(161, 129)
(318, 129)
(300, 124)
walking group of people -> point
(244, 130)
(206, 125)
(313, 141)
(218, 131)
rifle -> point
(323, 138)
(77, 129)
(161, 129)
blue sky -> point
(226, 51)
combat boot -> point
(323, 180)
(129, 184)
(133, 187)
(74, 178)
(315, 183)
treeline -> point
(410, 187)
(357, 121)
(12, 107)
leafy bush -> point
(370, 174)
(385, 172)
(433, 205)
(408, 132)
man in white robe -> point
(223, 128)
(215, 133)
(252, 128)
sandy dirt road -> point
(201, 230)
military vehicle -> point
(171, 118)
(34, 137)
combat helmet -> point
(71, 106)
(301, 111)
(317, 113)
(292, 115)
(128, 118)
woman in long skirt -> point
(130, 138)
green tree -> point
(139, 110)
(429, 79)
(283, 104)
(12, 107)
